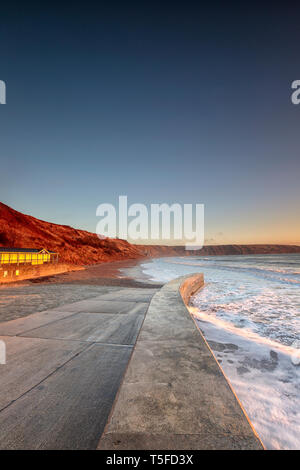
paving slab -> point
(105, 306)
(29, 361)
(64, 367)
(93, 327)
(129, 295)
(23, 300)
(23, 324)
(69, 409)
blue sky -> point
(162, 103)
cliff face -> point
(74, 246)
(82, 247)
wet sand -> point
(127, 273)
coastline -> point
(116, 273)
(249, 314)
(152, 409)
(58, 292)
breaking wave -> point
(249, 312)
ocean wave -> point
(288, 275)
(245, 332)
(249, 312)
(264, 376)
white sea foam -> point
(249, 311)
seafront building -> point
(27, 255)
(21, 263)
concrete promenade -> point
(174, 394)
(64, 387)
(64, 368)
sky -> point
(165, 102)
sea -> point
(249, 313)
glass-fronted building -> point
(27, 256)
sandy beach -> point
(125, 273)
(23, 298)
(120, 273)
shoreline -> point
(88, 343)
(125, 273)
(249, 315)
(59, 293)
(152, 409)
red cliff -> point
(74, 246)
(81, 247)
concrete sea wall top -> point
(174, 394)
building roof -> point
(22, 250)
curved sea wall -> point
(174, 394)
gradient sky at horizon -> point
(162, 102)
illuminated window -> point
(5, 273)
(17, 272)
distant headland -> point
(80, 247)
